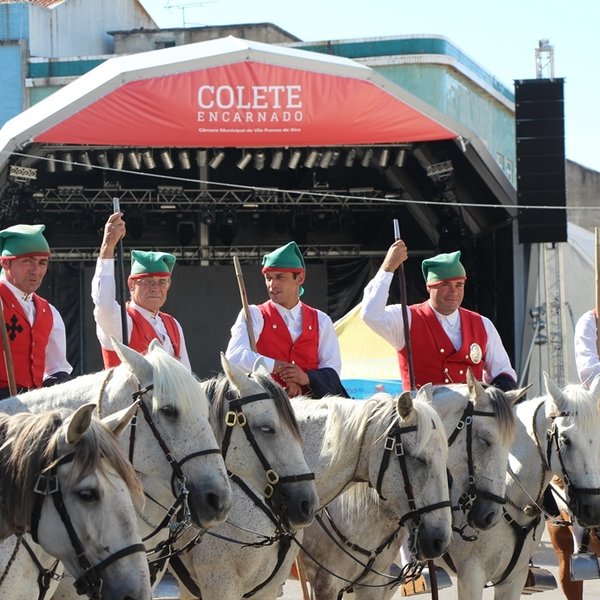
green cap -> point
(286, 258)
(443, 267)
(24, 240)
(151, 264)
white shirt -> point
(586, 348)
(238, 349)
(56, 350)
(107, 313)
(387, 322)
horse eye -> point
(485, 442)
(88, 495)
(266, 429)
(565, 441)
(169, 411)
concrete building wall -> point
(11, 90)
(583, 190)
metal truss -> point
(219, 254)
(75, 198)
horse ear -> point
(515, 395)
(237, 376)
(476, 390)
(404, 404)
(118, 421)
(552, 389)
(134, 361)
(427, 391)
(595, 387)
(260, 366)
(79, 423)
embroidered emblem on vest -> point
(13, 328)
(475, 353)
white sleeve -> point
(107, 311)
(586, 348)
(238, 350)
(496, 357)
(329, 347)
(183, 353)
(56, 350)
(384, 320)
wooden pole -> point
(240, 279)
(121, 283)
(8, 361)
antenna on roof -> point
(544, 60)
(183, 7)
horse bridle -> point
(235, 416)
(47, 484)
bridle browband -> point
(235, 416)
(47, 484)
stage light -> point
(217, 159)
(350, 157)
(134, 160)
(276, 160)
(326, 159)
(148, 160)
(119, 161)
(335, 155)
(294, 159)
(67, 161)
(201, 157)
(167, 161)
(384, 158)
(85, 161)
(50, 163)
(400, 158)
(184, 160)
(259, 160)
(102, 159)
(311, 159)
(244, 161)
(366, 159)
(208, 218)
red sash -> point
(142, 333)
(27, 343)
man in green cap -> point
(36, 331)
(149, 283)
(298, 342)
(445, 338)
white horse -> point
(171, 446)
(65, 479)
(556, 434)
(356, 540)
(344, 442)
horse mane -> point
(582, 406)
(175, 382)
(345, 422)
(216, 390)
(507, 421)
(30, 442)
(359, 500)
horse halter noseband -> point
(393, 443)
(575, 493)
(47, 484)
(465, 502)
(235, 416)
(177, 476)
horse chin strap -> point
(47, 484)
(235, 416)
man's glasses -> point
(146, 282)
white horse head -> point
(257, 430)
(69, 484)
(572, 446)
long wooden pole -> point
(121, 283)
(8, 361)
(244, 297)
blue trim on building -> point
(65, 68)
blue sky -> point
(500, 36)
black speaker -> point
(540, 138)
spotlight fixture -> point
(217, 159)
(148, 160)
(335, 155)
(326, 159)
(311, 159)
(50, 163)
(86, 163)
(244, 161)
(400, 157)
(208, 218)
(259, 160)
(134, 160)
(167, 161)
(384, 158)
(184, 160)
(367, 156)
(201, 157)
(102, 159)
(276, 160)
(68, 161)
(294, 159)
(119, 161)
(350, 157)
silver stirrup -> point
(584, 565)
(539, 580)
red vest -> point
(142, 333)
(434, 358)
(276, 342)
(27, 343)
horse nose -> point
(209, 506)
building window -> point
(508, 169)
(164, 44)
(500, 159)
